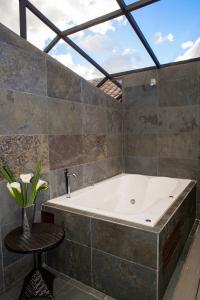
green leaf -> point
(16, 195)
(34, 181)
(7, 174)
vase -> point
(28, 216)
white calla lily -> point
(10, 189)
(41, 185)
(16, 185)
(26, 178)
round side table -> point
(44, 236)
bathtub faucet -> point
(67, 181)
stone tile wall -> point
(48, 112)
(162, 123)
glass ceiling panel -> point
(130, 1)
(9, 15)
(38, 33)
(114, 45)
(67, 13)
(172, 28)
(74, 61)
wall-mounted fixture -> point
(152, 82)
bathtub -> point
(136, 198)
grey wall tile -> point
(178, 228)
(141, 165)
(184, 91)
(181, 71)
(21, 71)
(94, 120)
(139, 78)
(178, 168)
(94, 148)
(114, 145)
(58, 181)
(93, 95)
(62, 82)
(10, 37)
(94, 172)
(76, 183)
(22, 152)
(77, 227)
(141, 121)
(76, 294)
(9, 257)
(22, 113)
(65, 151)
(115, 166)
(141, 145)
(64, 117)
(73, 260)
(129, 243)
(114, 121)
(140, 96)
(18, 270)
(124, 280)
(1, 265)
(182, 145)
(178, 119)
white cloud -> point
(187, 45)
(86, 72)
(122, 60)
(103, 27)
(95, 43)
(122, 19)
(37, 32)
(192, 52)
(10, 14)
(127, 51)
(160, 38)
(64, 14)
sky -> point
(171, 27)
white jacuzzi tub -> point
(136, 198)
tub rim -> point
(156, 229)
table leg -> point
(39, 282)
(37, 260)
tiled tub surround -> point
(48, 112)
(162, 123)
(122, 259)
(135, 198)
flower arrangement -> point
(26, 189)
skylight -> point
(108, 38)
(67, 13)
(172, 29)
(113, 53)
(71, 59)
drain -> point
(171, 196)
(148, 220)
(132, 201)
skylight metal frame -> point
(125, 10)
